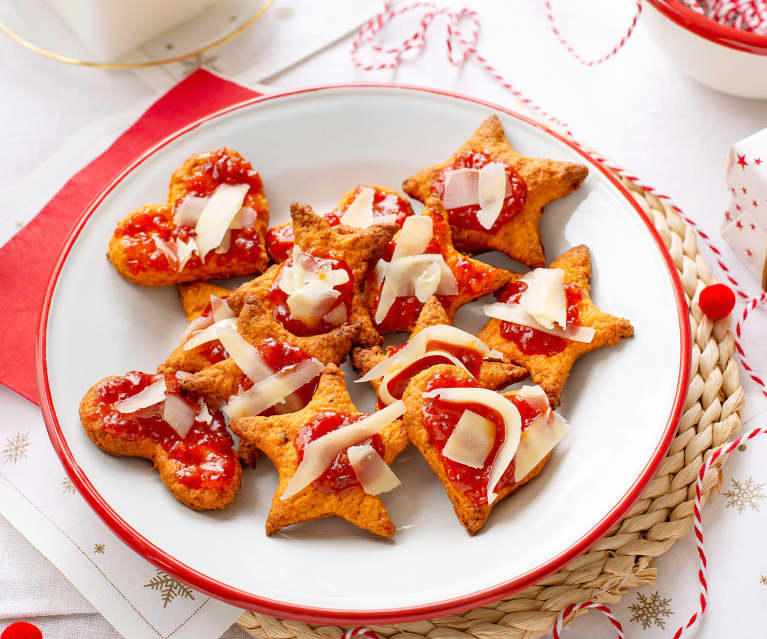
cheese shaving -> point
(217, 215)
(167, 250)
(149, 396)
(544, 298)
(321, 452)
(272, 390)
(417, 347)
(373, 472)
(242, 352)
(491, 191)
(515, 314)
(512, 422)
(383, 390)
(179, 415)
(411, 275)
(219, 309)
(537, 441)
(471, 441)
(189, 210)
(207, 334)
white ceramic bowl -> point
(724, 58)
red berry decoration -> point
(21, 630)
(716, 301)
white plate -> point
(311, 146)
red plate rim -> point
(711, 30)
(237, 597)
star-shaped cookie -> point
(195, 300)
(471, 508)
(551, 371)
(354, 246)
(223, 379)
(386, 202)
(474, 278)
(499, 375)
(200, 469)
(535, 183)
(153, 245)
(276, 437)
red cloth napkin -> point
(26, 261)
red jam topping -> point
(205, 456)
(279, 298)
(219, 167)
(340, 474)
(280, 238)
(280, 356)
(213, 350)
(469, 357)
(465, 217)
(404, 312)
(529, 340)
(138, 232)
(440, 418)
(279, 241)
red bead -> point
(21, 630)
(716, 300)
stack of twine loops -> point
(747, 15)
(664, 513)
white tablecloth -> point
(637, 108)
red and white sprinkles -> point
(750, 15)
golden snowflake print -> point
(16, 448)
(67, 487)
(651, 610)
(763, 580)
(169, 588)
(745, 495)
(99, 549)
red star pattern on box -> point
(745, 221)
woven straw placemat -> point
(623, 558)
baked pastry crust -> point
(546, 180)
(255, 324)
(194, 300)
(282, 230)
(357, 247)
(275, 437)
(93, 421)
(551, 371)
(471, 515)
(122, 248)
(474, 278)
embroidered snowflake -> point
(67, 487)
(169, 587)
(651, 610)
(99, 549)
(745, 495)
(16, 448)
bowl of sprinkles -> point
(720, 43)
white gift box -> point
(109, 28)
(745, 224)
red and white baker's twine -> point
(359, 631)
(752, 14)
(747, 15)
(606, 56)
